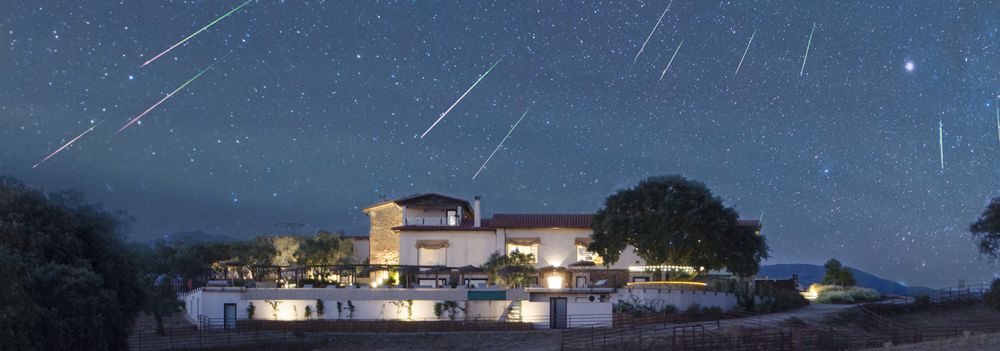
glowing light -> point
(554, 282)
(669, 282)
(661, 268)
(909, 66)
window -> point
(452, 217)
(432, 257)
(524, 249)
(587, 256)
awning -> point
(432, 244)
(583, 241)
(524, 241)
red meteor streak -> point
(133, 120)
(66, 145)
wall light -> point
(554, 281)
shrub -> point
(250, 310)
(992, 298)
(829, 294)
(782, 301)
(309, 311)
(319, 307)
(669, 309)
(693, 310)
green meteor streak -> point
(461, 97)
(807, 50)
(745, 53)
(136, 119)
(196, 33)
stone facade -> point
(384, 242)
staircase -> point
(512, 313)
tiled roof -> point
(530, 220)
(411, 197)
(466, 225)
(534, 220)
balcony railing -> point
(430, 221)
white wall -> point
(464, 247)
(578, 314)
(362, 248)
(657, 298)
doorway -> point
(557, 312)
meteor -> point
(998, 122)
(803, 69)
(745, 53)
(196, 33)
(460, 98)
(67, 144)
(652, 31)
(671, 59)
(133, 120)
(941, 141)
(501, 143)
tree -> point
(161, 301)
(673, 220)
(837, 274)
(509, 270)
(832, 275)
(986, 230)
(68, 278)
(324, 249)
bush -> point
(250, 310)
(782, 301)
(693, 310)
(829, 294)
(712, 311)
(669, 309)
(992, 298)
(922, 300)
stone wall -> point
(384, 242)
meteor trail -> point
(652, 31)
(671, 59)
(67, 144)
(196, 33)
(941, 141)
(461, 97)
(745, 53)
(133, 120)
(501, 143)
(807, 50)
(998, 122)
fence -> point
(773, 332)
(216, 332)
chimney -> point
(475, 212)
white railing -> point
(428, 221)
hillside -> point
(810, 273)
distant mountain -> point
(810, 273)
(193, 237)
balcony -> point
(432, 221)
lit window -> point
(452, 217)
(432, 257)
(524, 249)
(587, 256)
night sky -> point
(314, 109)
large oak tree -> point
(986, 230)
(673, 220)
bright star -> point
(909, 66)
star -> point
(909, 66)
